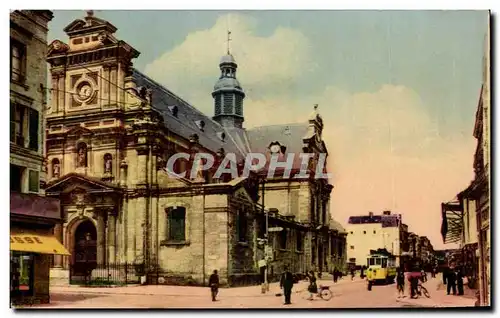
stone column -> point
(101, 238)
(111, 236)
(58, 233)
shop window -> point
(17, 61)
(241, 219)
(34, 181)
(176, 224)
(21, 273)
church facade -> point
(110, 130)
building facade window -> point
(33, 125)
(299, 241)
(352, 247)
(283, 239)
(22, 273)
(176, 224)
(352, 232)
(16, 178)
(374, 232)
(17, 61)
(364, 232)
(241, 219)
(16, 124)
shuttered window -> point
(34, 181)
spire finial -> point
(316, 107)
(228, 40)
(90, 13)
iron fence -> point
(105, 274)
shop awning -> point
(35, 243)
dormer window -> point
(200, 124)
(174, 110)
(221, 135)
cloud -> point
(385, 149)
(263, 62)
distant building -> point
(32, 216)
(371, 232)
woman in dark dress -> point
(312, 288)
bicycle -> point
(324, 292)
(422, 290)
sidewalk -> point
(439, 298)
(194, 291)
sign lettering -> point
(25, 239)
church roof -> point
(236, 140)
(184, 123)
(334, 225)
(289, 135)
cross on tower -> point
(228, 40)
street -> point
(346, 294)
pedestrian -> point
(414, 285)
(451, 282)
(213, 282)
(352, 273)
(286, 283)
(335, 275)
(313, 287)
(362, 274)
(460, 282)
(445, 274)
(400, 280)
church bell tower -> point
(228, 94)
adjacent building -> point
(372, 232)
(32, 216)
(110, 132)
(466, 220)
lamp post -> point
(265, 287)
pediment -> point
(242, 194)
(90, 23)
(79, 131)
(167, 179)
(79, 184)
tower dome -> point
(228, 94)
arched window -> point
(82, 155)
(176, 217)
(108, 164)
(56, 168)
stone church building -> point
(109, 132)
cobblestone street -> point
(346, 294)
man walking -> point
(286, 283)
(400, 279)
(213, 282)
(451, 282)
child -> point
(400, 279)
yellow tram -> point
(381, 267)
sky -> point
(397, 90)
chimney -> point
(370, 214)
(387, 212)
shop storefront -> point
(32, 246)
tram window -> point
(384, 262)
(371, 261)
(378, 261)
